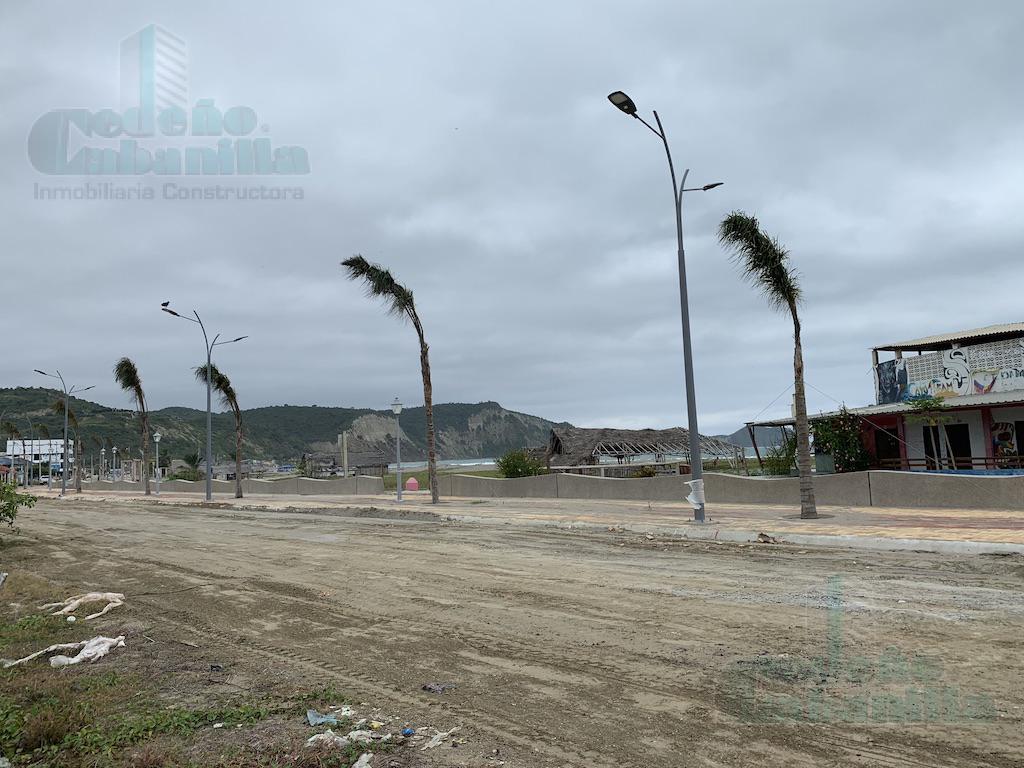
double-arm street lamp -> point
(624, 103)
(68, 392)
(209, 388)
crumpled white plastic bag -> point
(112, 599)
(88, 650)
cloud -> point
(470, 148)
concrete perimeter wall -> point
(853, 489)
(339, 486)
(923, 490)
(917, 490)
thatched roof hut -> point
(575, 446)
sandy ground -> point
(578, 647)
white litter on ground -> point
(363, 761)
(88, 650)
(330, 738)
(327, 738)
(440, 737)
(112, 599)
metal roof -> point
(944, 340)
(952, 403)
(581, 446)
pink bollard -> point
(412, 484)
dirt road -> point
(575, 648)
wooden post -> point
(986, 433)
(753, 442)
(901, 432)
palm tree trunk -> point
(238, 455)
(78, 463)
(428, 405)
(145, 452)
(808, 509)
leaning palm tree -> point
(381, 284)
(765, 263)
(127, 376)
(222, 386)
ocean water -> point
(446, 463)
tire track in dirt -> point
(501, 729)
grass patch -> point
(150, 705)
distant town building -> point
(41, 451)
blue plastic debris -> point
(315, 718)
(408, 731)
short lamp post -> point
(113, 466)
(396, 408)
(103, 461)
(156, 441)
(625, 104)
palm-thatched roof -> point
(573, 446)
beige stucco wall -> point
(923, 490)
(854, 489)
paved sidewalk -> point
(872, 527)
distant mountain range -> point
(766, 437)
(283, 432)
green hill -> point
(283, 432)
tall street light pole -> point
(626, 105)
(209, 388)
(396, 408)
(156, 441)
(68, 392)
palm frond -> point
(57, 407)
(10, 429)
(762, 259)
(127, 376)
(381, 284)
(221, 384)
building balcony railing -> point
(963, 463)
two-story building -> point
(979, 376)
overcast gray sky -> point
(469, 147)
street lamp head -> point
(86, 389)
(396, 407)
(169, 311)
(44, 373)
(706, 187)
(156, 437)
(623, 102)
(240, 338)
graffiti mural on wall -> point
(891, 381)
(974, 370)
(1004, 445)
